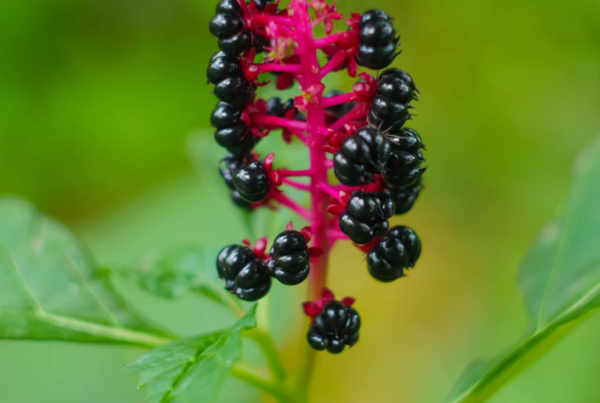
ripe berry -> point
(377, 40)
(261, 4)
(237, 139)
(366, 216)
(230, 29)
(226, 115)
(361, 157)
(244, 274)
(290, 261)
(398, 249)
(391, 104)
(404, 196)
(228, 165)
(252, 182)
(231, 85)
(403, 167)
(278, 108)
(334, 328)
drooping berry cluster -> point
(359, 135)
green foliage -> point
(560, 280)
(192, 369)
(171, 275)
(52, 289)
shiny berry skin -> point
(403, 167)
(237, 139)
(361, 157)
(230, 29)
(290, 261)
(231, 85)
(226, 115)
(244, 274)
(252, 182)
(276, 107)
(390, 108)
(397, 250)
(223, 65)
(261, 4)
(366, 216)
(227, 167)
(377, 40)
(334, 328)
(404, 196)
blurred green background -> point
(97, 103)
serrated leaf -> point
(51, 288)
(192, 369)
(560, 280)
(172, 274)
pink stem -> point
(287, 172)
(329, 164)
(261, 119)
(296, 185)
(265, 19)
(336, 234)
(315, 119)
(293, 205)
(328, 40)
(330, 190)
(353, 114)
(334, 63)
(339, 99)
(279, 68)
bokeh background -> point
(99, 100)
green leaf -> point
(192, 369)
(51, 288)
(175, 273)
(560, 280)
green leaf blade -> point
(192, 369)
(560, 281)
(52, 289)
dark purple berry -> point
(403, 167)
(237, 139)
(235, 90)
(226, 115)
(390, 108)
(377, 40)
(261, 4)
(252, 182)
(230, 29)
(244, 274)
(276, 107)
(361, 157)
(290, 261)
(229, 7)
(334, 328)
(397, 250)
(366, 216)
(404, 197)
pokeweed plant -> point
(51, 288)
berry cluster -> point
(358, 135)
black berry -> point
(276, 107)
(334, 328)
(404, 197)
(252, 182)
(226, 115)
(377, 40)
(244, 274)
(231, 85)
(261, 4)
(403, 167)
(290, 261)
(397, 250)
(366, 216)
(361, 157)
(230, 29)
(390, 108)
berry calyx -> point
(245, 275)
(398, 250)
(290, 259)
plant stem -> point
(250, 374)
(269, 349)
